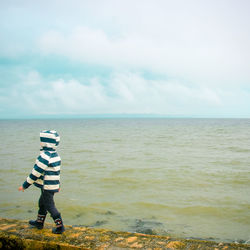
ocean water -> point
(183, 177)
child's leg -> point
(49, 204)
(41, 204)
(39, 222)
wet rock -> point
(147, 227)
(109, 213)
(175, 245)
(241, 241)
(136, 245)
(145, 231)
(89, 237)
(119, 239)
(100, 223)
(148, 223)
(16, 234)
(103, 246)
(80, 225)
(131, 239)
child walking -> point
(46, 176)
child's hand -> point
(21, 188)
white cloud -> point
(202, 42)
(207, 58)
(124, 93)
(196, 53)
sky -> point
(73, 58)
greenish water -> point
(184, 177)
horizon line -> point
(103, 116)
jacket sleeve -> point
(41, 164)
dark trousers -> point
(46, 204)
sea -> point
(187, 178)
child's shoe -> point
(59, 225)
(39, 222)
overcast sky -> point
(178, 58)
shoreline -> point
(18, 234)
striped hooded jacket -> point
(46, 171)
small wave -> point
(123, 171)
(242, 180)
(83, 151)
(153, 206)
(108, 208)
(74, 171)
(116, 140)
(80, 210)
(119, 180)
(239, 150)
(219, 212)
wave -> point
(238, 149)
(83, 151)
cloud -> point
(169, 57)
(127, 93)
(207, 59)
(204, 43)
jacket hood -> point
(49, 139)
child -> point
(46, 176)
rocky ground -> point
(16, 234)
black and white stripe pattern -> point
(49, 139)
(46, 171)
